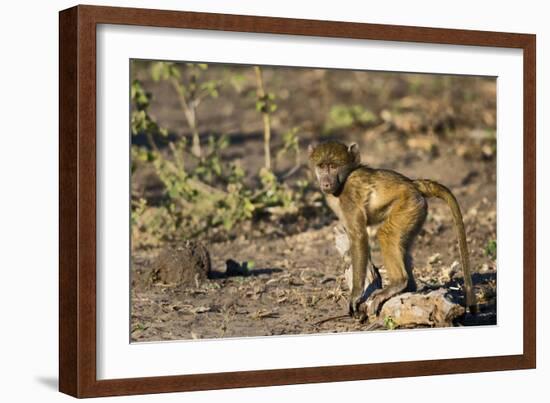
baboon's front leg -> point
(360, 258)
(358, 267)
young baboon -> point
(362, 196)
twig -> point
(378, 324)
(152, 143)
(331, 318)
(291, 172)
(266, 117)
(189, 110)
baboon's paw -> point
(373, 304)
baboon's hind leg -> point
(411, 283)
(396, 236)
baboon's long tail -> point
(433, 189)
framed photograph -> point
(254, 201)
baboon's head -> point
(332, 162)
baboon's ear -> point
(353, 149)
(310, 148)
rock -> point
(234, 268)
(478, 134)
(488, 151)
(455, 268)
(436, 258)
(424, 143)
(185, 265)
(341, 240)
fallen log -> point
(413, 310)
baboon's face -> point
(327, 174)
(332, 163)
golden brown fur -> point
(362, 196)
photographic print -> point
(272, 200)
(277, 191)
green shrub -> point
(345, 116)
(205, 192)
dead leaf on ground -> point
(263, 314)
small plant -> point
(236, 206)
(173, 175)
(211, 166)
(140, 120)
(191, 92)
(273, 193)
(291, 145)
(236, 173)
(389, 323)
(491, 249)
(138, 208)
(235, 80)
(139, 327)
(206, 193)
(151, 225)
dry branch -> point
(266, 117)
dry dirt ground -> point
(297, 280)
(289, 276)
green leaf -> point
(156, 71)
(389, 323)
(138, 95)
(260, 105)
(491, 249)
(164, 71)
